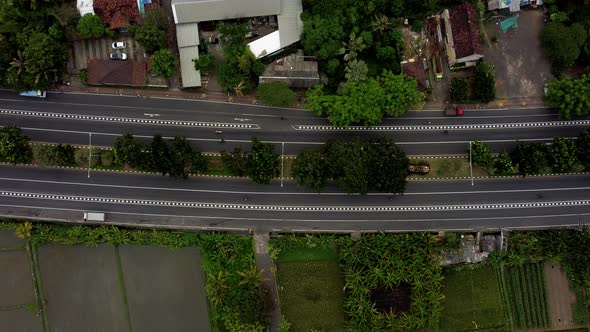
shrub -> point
(459, 89)
(276, 94)
(204, 63)
(485, 81)
(106, 158)
(481, 154)
(164, 64)
(91, 26)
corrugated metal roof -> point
(187, 34)
(290, 24)
(190, 77)
(186, 11)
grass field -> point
(525, 288)
(311, 290)
(473, 301)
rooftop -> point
(111, 72)
(117, 12)
(298, 71)
(186, 11)
(465, 30)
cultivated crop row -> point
(527, 295)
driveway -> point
(83, 50)
(521, 67)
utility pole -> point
(470, 164)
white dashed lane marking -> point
(285, 208)
(447, 127)
(129, 120)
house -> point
(416, 68)
(459, 31)
(108, 72)
(297, 71)
(188, 13)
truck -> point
(34, 93)
(454, 111)
(421, 167)
(93, 216)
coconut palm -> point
(18, 63)
(252, 278)
(381, 23)
(239, 88)
(216, 287)
(356, 70)
(23, 231)
(354, 46)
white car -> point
(119, 45)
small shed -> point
(297, 71)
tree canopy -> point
(309, 170)
(263, 163)
(164, 64)
(570, 96)
(485, 81)
(91, 26)
(276, 94)
(14, 146)
(151, 31)
(563, 44)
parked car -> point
(119, 45)
(453, 111)
(118, 56)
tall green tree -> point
(562, 155)
(310, 170)
(356, 70)
(160, 153)
(236, 162)
(530, 158)
(128, 150)
(485, 81)
(263, 163)
(389, 166)
(361, 103)
(459, 89)
(181, 157)
(44, 59)
(481, 154)
(583, 148)
(401, 93)
(91, 26)
(151, 31)
(164, 64)
(14, 146)
(563, 44)
(570, 96)
(503, 164)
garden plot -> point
(473, 301)
(165, 289)
(525, 288)
(310, 290)
(82, 289)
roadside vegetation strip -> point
(129, 120)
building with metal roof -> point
(188, 13)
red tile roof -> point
(117, 12)
(116, 72)
(465, 29)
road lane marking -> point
(294, 208)
(431, 127)
(151, 121)
(99, 185)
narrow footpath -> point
(267, 267)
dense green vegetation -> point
(356, 167)
(261, 164)
(33, 36)
(234, 285)
(14, 146)
(527, 296)
(473, 300)
(276, 94)
(570, 96)
(91, 26)
(484, 85)
(151, 31)
(380, 262)
(365, 102)
(164, 64)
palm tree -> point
(353, 48)
(252, 278)
(216, 287)
(356, 70)
(18, 63)
(23, 231)
(381, 23)
(239, 88)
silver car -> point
(118, 56)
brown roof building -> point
(117, 13)
(415, 68)
(460, 33)
(109, 72)
(297, 71)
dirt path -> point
(559, 297)
(265, 264)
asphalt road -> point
(239, 204)
(69, 119)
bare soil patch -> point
(559, 297)
(16, 285)
(165, 289)
(396, 300)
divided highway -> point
(240, 204)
